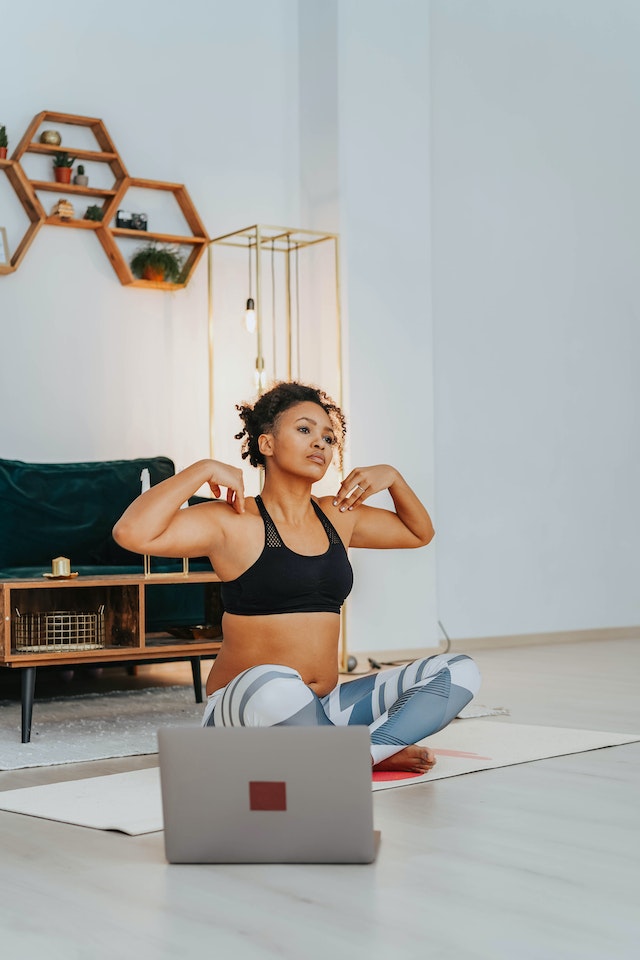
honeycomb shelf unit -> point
(197, 239)
(31, 206)
(108, 198)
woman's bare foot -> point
(413, 759)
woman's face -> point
(302, 442)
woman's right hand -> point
(155, 523)
(224, 475)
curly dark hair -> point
(262, 416)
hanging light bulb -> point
(250, 311)
(250, 316)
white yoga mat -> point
(131, 802)
(98, 726)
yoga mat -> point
(131, 802)
(472, 745)
(99, 726)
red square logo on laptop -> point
(267, 795)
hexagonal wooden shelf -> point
(197, 240)
(31, 206)
(111, 198)
(106, 154)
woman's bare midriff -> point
(307, 642)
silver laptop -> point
(267, 794)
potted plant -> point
(158, 264)
(4, 142)
(81, 179)
(62, 164)
(93, 212)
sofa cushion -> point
(69, 509)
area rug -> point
(131, 802)
(99, 726)
(94, 726)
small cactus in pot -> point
(4, 142)
(81, 179)
(62, 164)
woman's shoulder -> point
(221, 512)
(342, 521)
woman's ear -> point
(265, 444)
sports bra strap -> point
(272, 537)
(329, 528)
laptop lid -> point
(266, 794)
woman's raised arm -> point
(155, 524)
(376, 528)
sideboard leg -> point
(197, 678)
(28, 690)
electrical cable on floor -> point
(379, 664)
(446, 636)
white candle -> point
(61, 567)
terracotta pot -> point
(153, 273)
(62, 174)
(3, 153)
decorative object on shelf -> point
(157, 263)
(60, 569)
(62, 164)
(131, 221)
(59, 631)
(139, 221)
(94, 212)
(81, 179)
(4, 248)
(51, 137)
(4, 142)
(63, 209)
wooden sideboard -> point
(48, 622)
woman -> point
(285, 573)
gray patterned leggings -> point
(400, 706)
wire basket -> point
(59, 631)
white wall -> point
(208, 98)
(383, 69)
(536, 206)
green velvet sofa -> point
(50, 510)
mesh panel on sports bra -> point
(330, 530)
(273, 538)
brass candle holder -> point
(146, 566)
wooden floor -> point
(539, 861)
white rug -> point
(94, 726)
(131, 802)
(99, 726)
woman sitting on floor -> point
(282, 559)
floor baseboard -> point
(469, 644)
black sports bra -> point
(281, 581)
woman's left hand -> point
(363, 482)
